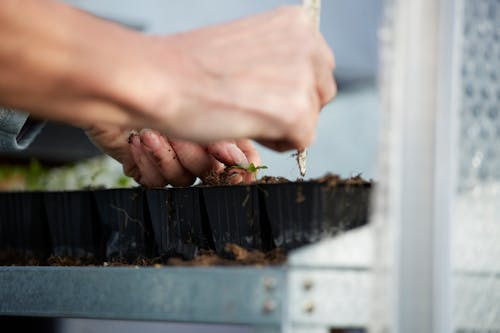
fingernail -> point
(135, 140)
(236, 154)
(150, 139)
(235, 179)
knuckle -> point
(326, 51)
(298, 112)
(331, 59)
(333, 91)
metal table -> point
(320, 288)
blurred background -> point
(347, 133)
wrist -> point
(113, 65)
(124, 71)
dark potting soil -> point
(236, 255)
(329, 179)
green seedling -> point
(249, 168)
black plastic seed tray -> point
(129, 223)
(304, 213)
(73, 226)
(125, 223)
(23, 224)
(179, 221)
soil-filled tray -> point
(152, 226)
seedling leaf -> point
(250, 168)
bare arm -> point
(60, 63)
(264, 77)
(260, 77)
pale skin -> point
(196, 99)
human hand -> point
(264, 77)
(156, 161)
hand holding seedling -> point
(154, 160)
(264, 77)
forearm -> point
(63, 64)
(261, 77)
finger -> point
(324, 64)
(279, 146)
(327, 88)
(130, 169)
(228, 153)
(305, 135)
(325, 51)
(195, 158)
(110, 139)
(201, 163)
(297, 138)
(165, 159)
(248, 148)
(147, 172)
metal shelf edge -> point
(239, 295)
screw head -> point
(268, 306)
(309, 307)
(308, 284)
(269, 283)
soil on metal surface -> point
(236, 256)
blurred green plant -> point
(93, 173)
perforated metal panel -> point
(476, 227)
(480, 110)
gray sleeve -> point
(17, 129)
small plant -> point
(252, 168)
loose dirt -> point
(235, 256)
